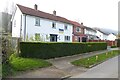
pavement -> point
(107, 69)
(61, 67)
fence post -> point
(18, 46)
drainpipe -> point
(25, 29)
(21, 27)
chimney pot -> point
(35, 6)
(54, 12)
(81, 23)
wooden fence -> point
(110, 43)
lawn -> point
(17, 64)
(94, 60)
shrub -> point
(52, 50)
(113, 46)
(118, 42)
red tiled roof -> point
(75, 23)
(33, 12)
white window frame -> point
(66, 27)
(37, 21)
(14, 23)
(67, 38)
(54, 23)
(78, 28)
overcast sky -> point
(93, 13)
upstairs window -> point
(37, 21)
(78, 29)
(67, 38)
(66, 27)
(53, 25)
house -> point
(33, 24)
(111, 37)
(90, 33)
(78, 32)
(102, 35)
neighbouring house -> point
(102, 35)
(111, 37)
(90, 33)
(33, 24)
(78, 32)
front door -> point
(78, 39)
(84, 39)
(53, 38)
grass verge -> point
(94, 60)
(17, 64)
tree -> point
(5, 31)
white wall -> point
(111, 37)
(90, 32)
(45, 28)
(17, 18)
(101, 35)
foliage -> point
(52, 50)
(118, 42)
(89, 61)
(113, 46)
(6, 47)
(36, 38)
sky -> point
(93, 13)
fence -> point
(109, 43)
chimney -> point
(81, 23)
(54, 12)
(35, 6)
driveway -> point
(108, 69)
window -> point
(37, 21)
(67, 38)
(78, 29)
(53, 25)
(66, 27)
(37, 37)
(14, 23)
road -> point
(108, 69)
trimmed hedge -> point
(114, 46)
(52, 50)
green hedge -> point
(118, 42)
(52, 50)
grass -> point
(94, 60)
(17, 64)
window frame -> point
(54, 25)
(37, 20)
(78, 28)
(66, 27)
(14, 23)
(67, 38)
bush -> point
(113, 46)
(52, 50)
(118, 42)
